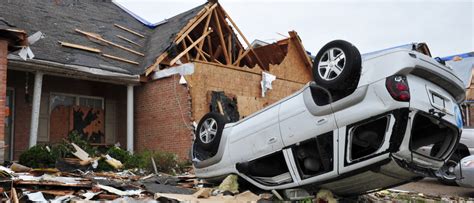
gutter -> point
(71, 71)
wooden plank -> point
(301, 50)
(120, 59)
(229, 46)
(81, 47)
(128, 40)
(186, 46)
(173, 61)
(242, 35)
(199, 50)
(156, 64)
(240, 57)
(206, 27)
(219, 106)
(129, 30)
(221, 37)
(182, 36)
(192, 21)
(94, 36)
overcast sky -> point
(446, 25)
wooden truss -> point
(210, 37)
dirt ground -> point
(431, 186)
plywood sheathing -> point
(244, 83)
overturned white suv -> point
(358, 127)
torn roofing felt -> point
(58, 20)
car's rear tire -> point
(337, 67)
(209, 131)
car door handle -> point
(272, 140)
(321, 121)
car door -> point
(298, 123)
(256, 136)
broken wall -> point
(244, 83)
(163, 117)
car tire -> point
(337, 67)
(209, 131)
(447, 177)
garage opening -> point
(365, 139)
(432, 137)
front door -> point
(9, 109)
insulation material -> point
(266, 82)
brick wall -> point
(161, 122)
(17, 80)
(3, 89)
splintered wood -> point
(77, 46)
(99, 38)
(129, 30)
(120, 59)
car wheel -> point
(337, 67)
(209, 131)
(446, 172)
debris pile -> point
(21, 183)
(392, 195)
(74, 171)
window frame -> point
(77, 97)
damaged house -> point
(91, 67)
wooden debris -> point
(19, 168)
(128, 40)
(219, 106)
(107, 196)
(14, 195)
(120, 59)
(129, 30)
(81, 47)
(113, 162)
(98, 37)
(203, 193)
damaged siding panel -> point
(292, 74)
(242, 84)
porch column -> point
(130, 118)
(36, 108)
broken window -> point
(268, 170)
(366, 138)
(315, 156)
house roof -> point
(58, 20)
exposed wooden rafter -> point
(175, 59)
(211, 36)
(221, 38)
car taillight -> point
(397, 86)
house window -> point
(58, 99)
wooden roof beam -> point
(173, 61)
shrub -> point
(38, 157)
